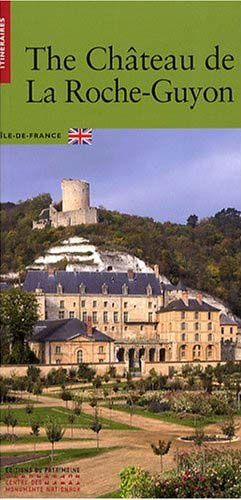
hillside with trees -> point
(205, 254)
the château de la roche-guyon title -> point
(102, 59)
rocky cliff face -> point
(78, 254)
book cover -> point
(120, 283)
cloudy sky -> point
(164, 174)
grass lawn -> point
(172, 417)
(27, 438)
(42, 414)
(60, 457)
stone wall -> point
(21, 370)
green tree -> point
(19, 314)
(37, 389)
(161, 449)
(192, 220)
(96, 427)
(71, 420)
(13, 422)
(54, 432)
(66, 396)
(35, 427)
(7, 418)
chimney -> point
(199, 297)
(130, 274)
(89, 329)
(185, 297)
(157, 271)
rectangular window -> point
(209, 326)
(61, 314)
(105, 317)
(150, 305)
(196, 315)
(196, 326)
(150, 317)
(116, 317)
(231, 329)
(61, 304)
(46, 314)
(183, 326)
(209, 315)
(57, 349)
(71, 314)
(125, 305)
(101, 361)
(101, 349)
(183, 336)
(94, 317)
(105, 304)
(183, 314)
(74, 304)
(84, 316)
(82, 303)
(94, 303)
(125, 317)
(222, 330)
(210, 337)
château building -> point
(147, 322)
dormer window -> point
(104, 289)
(59, 288)
(82, 289)
(149, 290)
(125, 289)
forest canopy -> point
(205, 254)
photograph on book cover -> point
(121, 310)
(120, 278)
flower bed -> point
(210, 438)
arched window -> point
(149, 290)
(152, 355)
(210, 352)
(162, 355)
(196, 352)
(80, 356)
(183, 350)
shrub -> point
(136, 483)
(86, 372)
(10, 438)
(56, 377)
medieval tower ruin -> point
(73, 210)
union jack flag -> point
(80, 136)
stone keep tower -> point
(75, 195)
(75, 209)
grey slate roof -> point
(66, 329)
(226, 320)
(93, 282)
(193, 305)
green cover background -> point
(157, 27)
